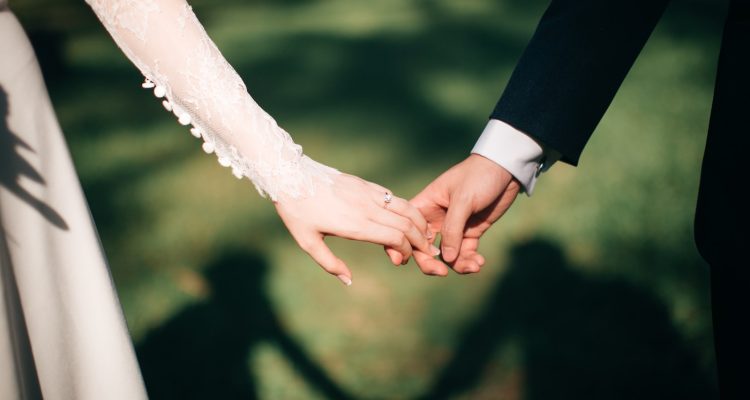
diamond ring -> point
(387, 199)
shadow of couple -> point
(580, 337)
(202, 352)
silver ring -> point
(387, 199)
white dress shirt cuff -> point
(515, 151)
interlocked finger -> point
(405, 209)
(416, 238)
(385, 235)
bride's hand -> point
(356, 209)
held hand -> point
(353, 208)
(462, 204)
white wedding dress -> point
(62, 331)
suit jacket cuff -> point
(515, 151)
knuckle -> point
(404, 225)
(306, 245)
(436, 272)
(467, 269)
(462, 196)
(331, 270)
(397, 239)
(419, 221)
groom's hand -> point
(462, 204)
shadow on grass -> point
(202, 351)
(580, 337)
(382, 78)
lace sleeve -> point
(183, 66)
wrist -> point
(488, 167)
(515, 151)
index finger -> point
(405, 209)
(429, 265)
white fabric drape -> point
(62, 331)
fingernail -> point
(435, 250)
(449, 253)
(428, 235)
(343, 278)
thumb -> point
(319, 251)
(452, 231)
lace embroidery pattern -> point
(184, 67)
(127, 14)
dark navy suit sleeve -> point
(572, 68)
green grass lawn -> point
(593, 286)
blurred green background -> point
(593, 287)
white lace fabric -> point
(167, 43)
